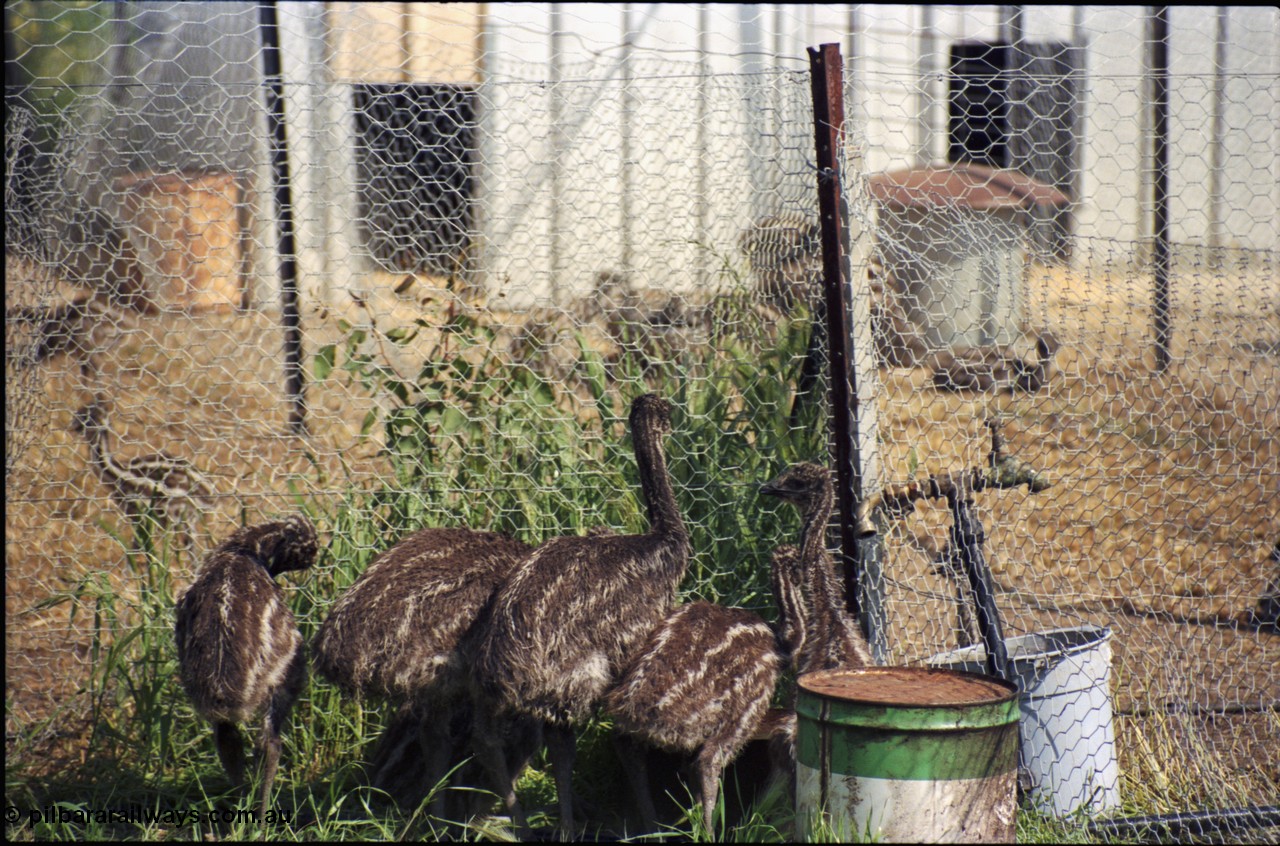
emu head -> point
(650, 411)
(804, 485)
(89, 418)
(281, 545)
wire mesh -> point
(514, 219)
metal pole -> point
(1080, 68)
(119, 48)
(1142, 251)
(1011, 24)
(700, 199)
(853, 98)
(290, 316)
(557, 149)
(406, 49)
(751, 50)
(778, 125)
(1160, 175)
(861, 582)
(924, 86)
(625, 131)
(1217, 136)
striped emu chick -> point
(79, 329)
(239, 649)
(577, 610)
(406, 631)
(830, 636)
(171, 489)
(704, 680)
(994, 367)
(701, 685)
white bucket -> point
(1068, 755)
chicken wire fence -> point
(506, 222)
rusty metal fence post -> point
(861, 563)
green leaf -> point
(401, 334)
(399, 389)
(452, 421)
(324, 361)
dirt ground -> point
(1165, 503)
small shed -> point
(953, 242)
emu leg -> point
(398, 750)
(634, 757)
(440, 740)
(271, 745)
(522, 737)
(489, 742)
(709, 764)
(413, 757)
(561, 746)
(779, 727)
(226, 737)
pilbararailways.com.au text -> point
(138, 815)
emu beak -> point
(770, 489)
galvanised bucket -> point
(1068, 759)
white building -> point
(644, 138)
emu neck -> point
(824, 605)
(660, 497)
(98, 448)
(827, 621)
(788, 595)
(813, 528)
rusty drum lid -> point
(907, 687)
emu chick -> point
(405, 630)
(702, 685)
(239, 649)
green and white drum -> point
(905, 754)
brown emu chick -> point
(577, 610)
(994, 367)
(830, 637)
(239, 649)
(704, 679)
(405, 630)
(701, 685)
(171, 487)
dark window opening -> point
(415, 155)
(978, 105)
(1019, 107)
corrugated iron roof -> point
(969, 186)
